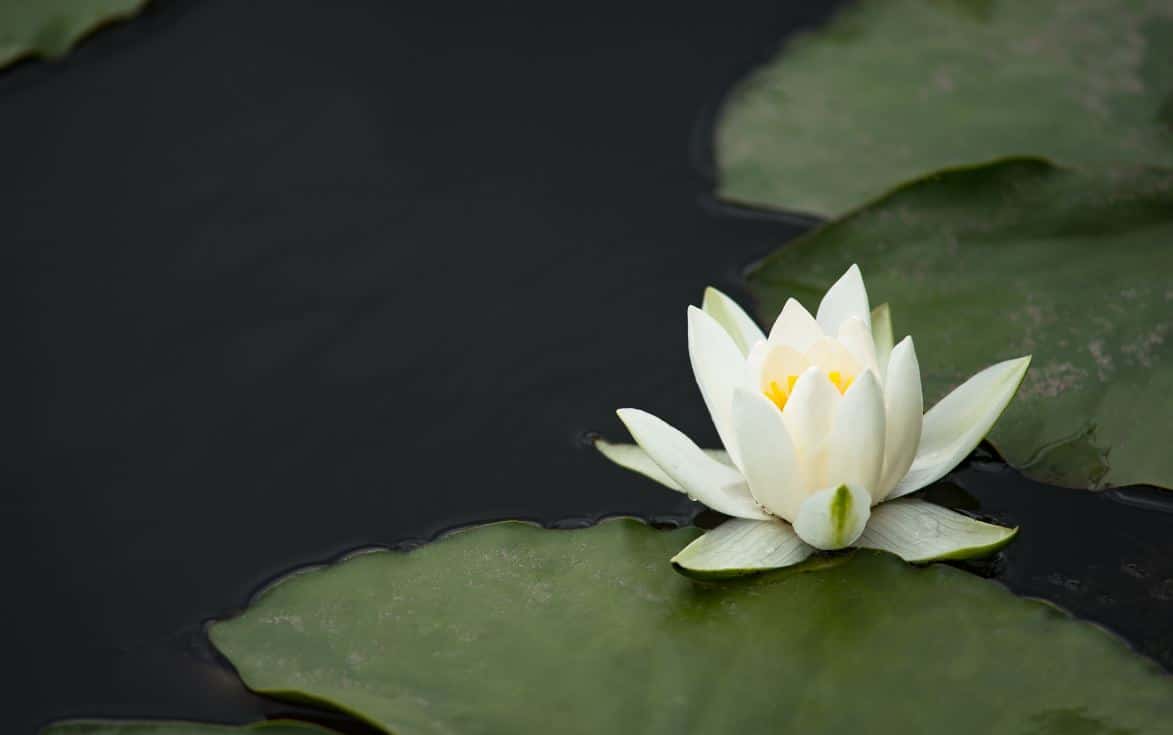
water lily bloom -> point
(825, 433)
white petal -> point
(856, 336)
(847, 298)
(740, 546)
(795, 327)
(775, 364)
(740, 327)
(701, 477)
(882, 335)
(634, 458)
(904, 406)
(833, 518)
(754, 361)
(767, 455)
(957, 424)
(833, 357)
(855, 447)
(917, 531)
(719, 368)
(809, 416)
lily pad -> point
(110, 727)
(511, 628)
(889, 90)
(1022, 257)
(50, 28)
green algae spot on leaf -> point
(508, 628)
(50, 28)
(111, 727)
(891, 89)
(1021, 257)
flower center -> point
(779, 395)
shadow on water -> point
(361, 275)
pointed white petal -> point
(795, 327)
(633, 457)
(740, 327)
(719, 367)
(882, 335)
(847, 298)
(918, 531)
(904, 408)
(855, 447)
(833, 518)
(701, 477)
(740, 546)
(957, 424)
(856, 336)
(809, 416)
(767, 455)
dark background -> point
(292, 278)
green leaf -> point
(508, 628)
(1020, 257)
(50, 28)
(111, 727)
(892, 89)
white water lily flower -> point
(824, 434)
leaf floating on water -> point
(891, 89)
(50, 28)
(509, 627)
(1019, 257)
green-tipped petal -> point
(634, 458)
(883, 335)
(701, 477)
(919, 531)
(739, 547)
(833, 518)
(726, 312)
(959, 422)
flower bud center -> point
(779, 395)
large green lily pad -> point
(50, 28)
(110, 727)
(1024, 257)
(510, 628)
(893, 89)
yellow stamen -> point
(779, 395)
(838, 381)
(775, 393)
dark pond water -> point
(292, 278)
